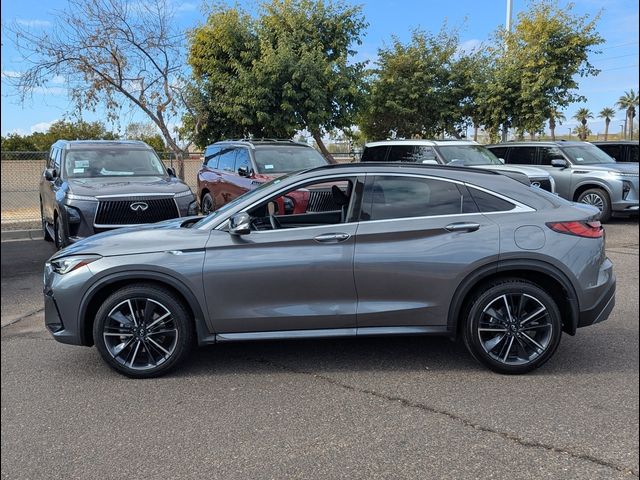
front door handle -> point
(462, 227)
(332, 237)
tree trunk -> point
(476, 127)
(532, 136)
(175, 149)
(606, 128)
(323, 149)
(552, 128)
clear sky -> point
(476, 19)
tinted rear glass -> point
(285, 159)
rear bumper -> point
(602, 308)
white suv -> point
(450, 152)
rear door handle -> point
(462, 227)
(332, 237)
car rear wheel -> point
(207, 205)
(598, 198)
(513, 326)
(143, 331)
(45, 231)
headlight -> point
(69, 264)
(614, 173)
(73, 196)
(186, 193)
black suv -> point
(620, 151)
(90, 186)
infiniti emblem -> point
(533, 184)
(138, 206)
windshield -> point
(256, 192)
(587, 155)
(112, 163)
(468, 155)
(285, 159)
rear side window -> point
(401, 153)
(211, 155)
(632, 153)
(227, 159)
(500, 152)
(374, 154)
(522, 155)
(391, 197)
(490, 203)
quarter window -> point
(390, 197)
(490, 203)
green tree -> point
(628, 102)
(15, 142)
(417, 88)
(290, 69)
(556, 118)
(539, 62)
(147, 133)
(583, 115)
(582, 131)
(607, 113)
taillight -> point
(591, 229)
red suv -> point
(232, 167)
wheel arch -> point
(588, 185)
(105, 286)
(543, 274)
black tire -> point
(598, 198)
(484, 328)
(135, 348)
(45, 232)
(60, 236)
(207, 205)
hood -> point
(126, 185)
(156, 237)
(531, 172)
(617, 167)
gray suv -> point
(582, 172)
(91, 186)
(408, 250)
(454, 153)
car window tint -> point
(242, 159)
(227, 159)
(550, 153)
(403, 197)
(374, 154)
(401, 153)
(490, 203)
(614, 151)
(424, 154)
(632, 153)
(500, 152)
(51, 163)
(522, 155)
(211, 156)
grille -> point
(321, 201)
(120, 212)
(545, 183)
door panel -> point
(281, 279)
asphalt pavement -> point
(369, 408)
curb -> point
(8, 235)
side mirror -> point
(240, 224)
(456, 162)
(559, 163)
(50, 174)
(171, 171)
(501, 160)
(429, 162)
(244, 171)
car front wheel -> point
(513, 326)
(597, 198)
(143, 331)
(60, 238)
(207, 205)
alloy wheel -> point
(515, 328)
(594, 199)
(140, 333)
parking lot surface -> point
(371, 408)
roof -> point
(429, 143)
(534, 143)
(253, 142)
(84, 144)
(616, 142)
(387, 166)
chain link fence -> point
(21, 174)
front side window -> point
(468, 155)
(242, 160)
(391, 197)
(499, 152)
(227, 159)
(550, 153)
(211, 157)
(587, 155)
(112, 163)
(286, 158)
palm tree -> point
(582, 115)
(582, 131)
(607, 113)
(629, 102)
(556, 117)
